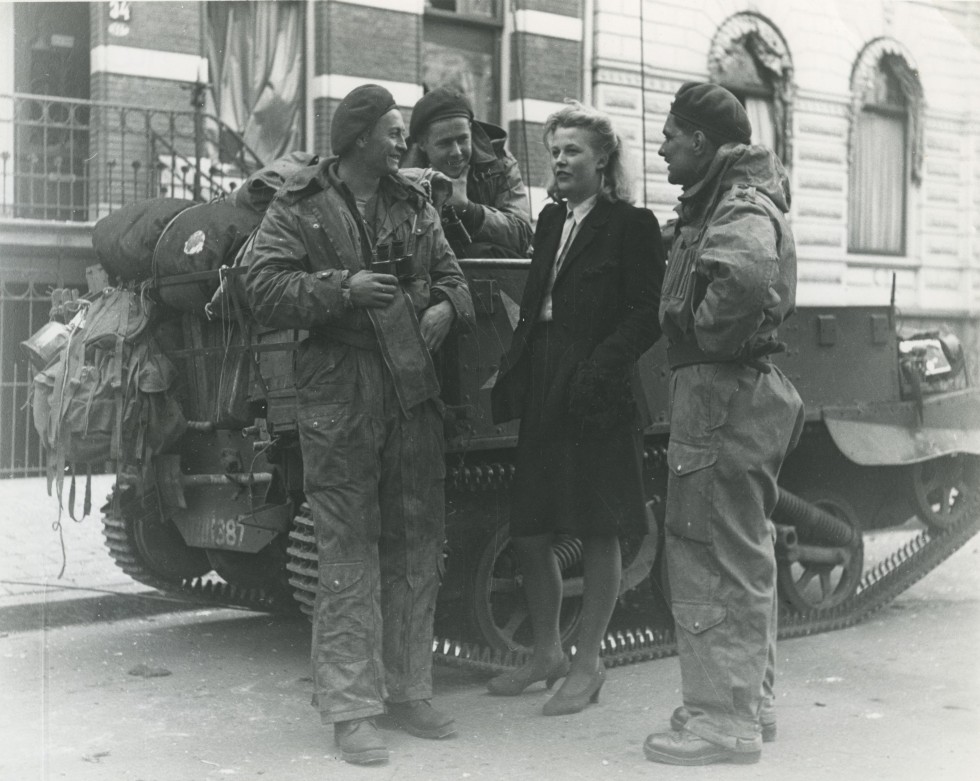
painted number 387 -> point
(229, 533)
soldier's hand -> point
(457, 198)
(441, 188)
(435, 324)
(372, 291)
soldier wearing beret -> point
(731, 280)
(488, 214)
(369, 424)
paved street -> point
(31, 558)
(897, 697)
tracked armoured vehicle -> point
(892, 432)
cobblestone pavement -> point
(31, 552)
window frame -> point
(491, 26)
(862, 103)
(497, 20)
(777, 74)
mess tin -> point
(45, 343)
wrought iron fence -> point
(77, 160)
(24, 308)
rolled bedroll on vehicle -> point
(890, 440)
(124, 239)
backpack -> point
(257, 191)
(105, 396)
(192, 248)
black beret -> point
(440, 103)
(357, 113)
(714, 109)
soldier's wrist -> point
(345, 290)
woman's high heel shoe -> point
(562, 705)
(512, 683)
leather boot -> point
(767, 721)
(360, 742)
(686, 748)
(419, 718)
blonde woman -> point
(588, 312)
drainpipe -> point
(588, 51)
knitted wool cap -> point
(357, 113)
(714, 109)
(440, 103)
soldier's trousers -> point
(731, 428)
(374, 480)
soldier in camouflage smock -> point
(369, 415)
(731, 280)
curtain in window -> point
(763, 127)
(750, 57)
(877, 197)
(255, 55)
(464, 58)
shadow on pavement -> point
(86, 610)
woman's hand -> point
(600, 396)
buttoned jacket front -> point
(605, 298)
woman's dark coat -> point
(604, 307)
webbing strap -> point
(87, 501)
(237, 307)
(115, 448)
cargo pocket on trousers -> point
(698, 617)
(342, 633)
(690, 490)
(325, 435)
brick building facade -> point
(808, 65)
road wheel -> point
(159, 545)
(265, 569)
(940, 488)
(819, 585)
(498, 605)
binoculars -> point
(391, 259)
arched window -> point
(885, 151)
(749, 57)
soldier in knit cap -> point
(731, 280)
(355, 254)
(488, 214)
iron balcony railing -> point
(78, 160)
(75, 161)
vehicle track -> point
(622, 645)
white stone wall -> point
(940, 272)
(6, 87)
